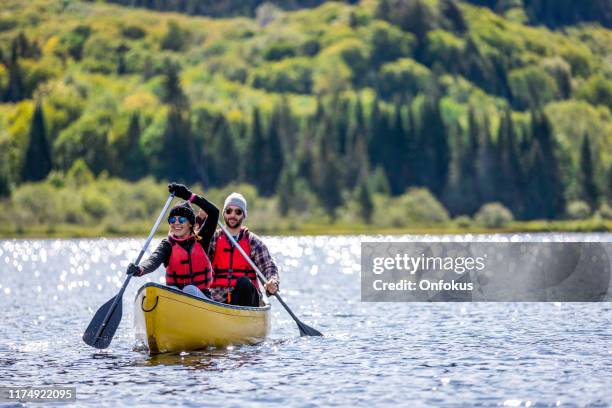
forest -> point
(386, 113)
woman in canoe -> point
(184, 252)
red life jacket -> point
(229, 264)
(188, 268)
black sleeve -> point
(210, 225)
(161, 255)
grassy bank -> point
(142, 230)
(82, 206)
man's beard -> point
(236, 225)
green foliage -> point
(532, 87)
(176, 37)
(597, 90)
(605, 211)
(365, 200)
(36, 204)
(279, 50)
(133, 32)
(85, 138)
(463, 221)
(73, 41)
(96, 204)
(100, 55)
(590, 190)
(415, 207)
(560, 70)
(388, 43)
(578, 210)
(349, 53)
(413, 93)
(403, 76)
(291, 75)
(443, 48)
(79, 174)
(493, 215)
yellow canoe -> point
(169, 320)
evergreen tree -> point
(326, 171)
(590, 192)
(254, 164)
(394, 153)
(384, 10)
(173, 93)
(357, 156)
(287, 127)
(409, 167)
(364, 200)
(37, 162)
(179, 149)
(416, 17)
(450, 10)
(477, 67)
(135, 162)
(511, 171)
(286, 190)
(5, 179)
(487, 164)
(182, 164)
(545, 190)
(435, 146)
(15, 90)
(271, 157)
(379, 130)
(608, 185)
(379, 182)
(221, 153)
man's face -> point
(233, 216)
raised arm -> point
(210, 224)
(208, 228)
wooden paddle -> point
(104, 324)
(305, 330)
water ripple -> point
(373, 354)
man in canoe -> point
(235, 281)
(185, 252)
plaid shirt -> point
(259, 255)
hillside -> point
(316, 107)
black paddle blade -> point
(306, 330)
(107, 331)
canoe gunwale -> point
(204, 300)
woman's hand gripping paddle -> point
(103, 326)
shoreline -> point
(538, 226)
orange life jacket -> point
(188, 268)
(229, 264)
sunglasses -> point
(236, 211)
(181, 220)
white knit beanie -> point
(236, 199)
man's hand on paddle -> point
(272, 286)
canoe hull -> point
(168, 320)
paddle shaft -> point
(127, 280)
(260, 275)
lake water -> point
(373, 354)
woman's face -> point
(177, 228)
